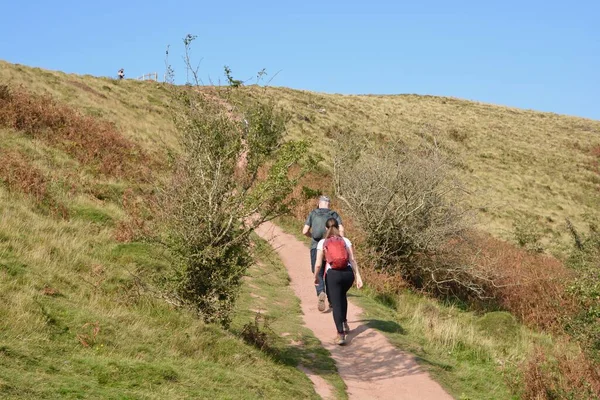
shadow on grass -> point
(425, 361)
(386, 299)
(304, 350)
(308, 353)
(385, 326)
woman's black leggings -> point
(338, 282)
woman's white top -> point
(322, 243)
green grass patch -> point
(293, 226)
(147, 256)
(11, 266)
(91, 214)
(222, 367)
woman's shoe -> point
(346, 327)
(341, 339)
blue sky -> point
(542, 55)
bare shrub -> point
(409, 206)
(256, 335)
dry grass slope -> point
(521, 165)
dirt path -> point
(369, 365)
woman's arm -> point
(354, 264)
(318, 265)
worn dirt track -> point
(369, 365)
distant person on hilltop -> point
(341, 271)
(314, 228)
(121, 73)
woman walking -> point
(341, 271)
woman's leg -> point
(334, 288)
(339, 282)
(346, 283)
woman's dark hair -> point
(333, 228)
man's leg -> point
(320, 287)
(313, 260)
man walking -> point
(314, 228)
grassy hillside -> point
(74, 317)
(524, 167)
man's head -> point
(324, 201)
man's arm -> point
(306, 231)
(307, 225)
(341, 230)
(318, 265)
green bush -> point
(528, 234)
(500, 324)
(233, 175)
(585, 260)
